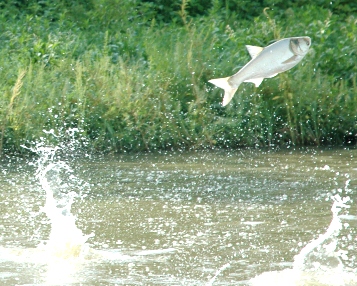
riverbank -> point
(129, 81)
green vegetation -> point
(132, 75)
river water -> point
(248, 217)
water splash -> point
(65, 239)
(61, 187)
(319, 262)
(218, 272)
(328, 253)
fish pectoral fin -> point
(254, 51)
(289, 60)
(229, 91)
(256, 81)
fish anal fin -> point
(254, 51)
(290, 60)
(256, 81)
(272, 75)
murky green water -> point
(180, 219)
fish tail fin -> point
(229, 91)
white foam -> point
(293, 277)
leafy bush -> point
(132, 81)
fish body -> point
(265, 63)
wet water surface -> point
(198, 218)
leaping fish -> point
(265, 63)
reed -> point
(144, 87)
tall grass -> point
(139, 85)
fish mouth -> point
(300, 45)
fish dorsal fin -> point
(254, 50)
(256, 81)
